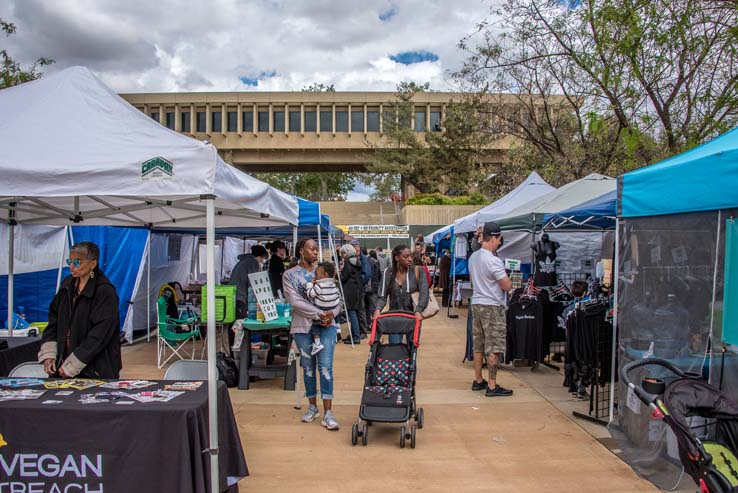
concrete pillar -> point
(208, 119)
(333, 115)
(302, 119)
(254, 119)
(177, 118)
(317, 119)
(349, 119)
(286, 118)
(381, 118)
(427, 117)
(365, 118)
(223, 119)
(239, 119)
(271, 119)
(193, 119)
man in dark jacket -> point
(247, 264)
(83, 335)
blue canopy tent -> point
(677, 282)
(598, 213)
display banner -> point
(377, 230)
(98, 440)
(730, 289)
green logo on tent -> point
(157, 168)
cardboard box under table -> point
(271, 331)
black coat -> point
(95, 326)
(353, 289)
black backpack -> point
(227, 369)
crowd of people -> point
(82, 336)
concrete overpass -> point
(295, 131)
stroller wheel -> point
(354, 434)
(402, 436)
(413, 428)
(364, 434)
(419, 418)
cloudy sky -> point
(247, 45)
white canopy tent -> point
(101, 161)
(533, 187)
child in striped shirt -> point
(323, 293)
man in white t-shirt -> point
(490, 284)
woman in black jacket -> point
(83, 335)
(353, 291)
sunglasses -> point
(75, 262)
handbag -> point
(432, 309)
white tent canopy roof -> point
(75, 150)
(569, 195)
(533, 187)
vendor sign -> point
(377, 231)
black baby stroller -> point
(712, 464)
(389, 380)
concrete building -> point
(295, 131)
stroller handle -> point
(644, 396)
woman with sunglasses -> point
(82, 338)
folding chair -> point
(169, 340)
(187, 370)
(29, 370)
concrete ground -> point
(525, 443)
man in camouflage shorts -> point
(490, 283)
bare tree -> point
(609, 85)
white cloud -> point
(169, 45)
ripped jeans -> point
(323, 360)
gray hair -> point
(86, 248)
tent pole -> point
(320, 245)
(148, 290)
(212, 377)
(452, 302)
(61, 259)
(11, 254)
(616, 281)
(332, 246)
(294, 241)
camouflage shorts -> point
(489, 329)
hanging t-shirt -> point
(486, 270)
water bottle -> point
(259, 313)
(287, 310)
(251, 308)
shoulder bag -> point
(432, 309)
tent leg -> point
(332, 246)
(212, 377)
(294, 241)
(61, 259)
(616, 277)
(11, 254)
(148, 289)
(320, 245)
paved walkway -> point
(525, 443)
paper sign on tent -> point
(263, 291)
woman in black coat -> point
(353, 290)
(83, 335)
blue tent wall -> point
(33, 291)
(121, 250)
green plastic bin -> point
(225, 303)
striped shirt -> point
(323, 294)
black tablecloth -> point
(134, 448)
(20, 350)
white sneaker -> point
(329, 422)
(317, 347)
(310, 415)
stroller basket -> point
(712, 464)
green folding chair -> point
(170, 342)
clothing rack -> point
(600, 378)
